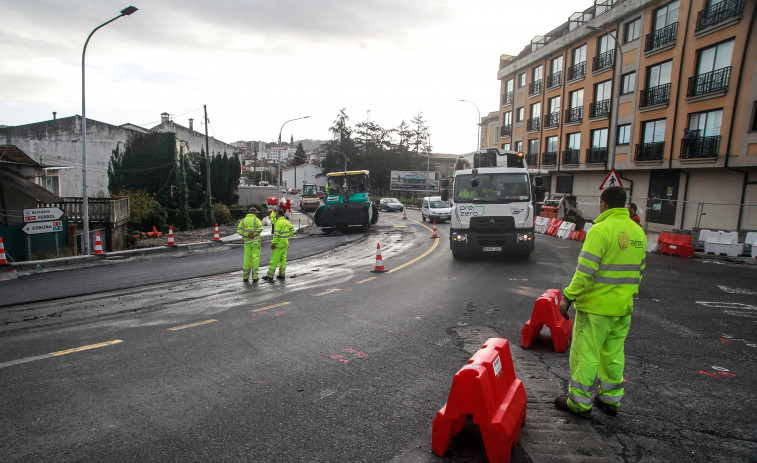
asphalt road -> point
(340, 364)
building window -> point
(574, 113)
(713, 70)
(633, 30)
(534, 120)
(519, 114)
(533, 146)
(521, 80)
(653, 131)
(506, 146)
(628, 83)
(624, 134)
(658, 85)
(605, 57)
(519, 146)
(555, 77)
(551, 144)
(602, 99)
(507, 97)
(50, 183)
(598, 151)
(717, 12)
(536, 79)
(564, 184)
(552, 118)
(578, 69)
(664, 28)
(652, 146)
(574, 141)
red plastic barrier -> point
(487, 389)
(271, 200)
(578, 235)
(554, 227)
(675, 245)
(547, 312)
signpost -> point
(42, 220)
(47, 213)
(612, 179)
(35, 228)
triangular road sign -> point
(612, 179)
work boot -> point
(255, 279)
(561, 403)
(245, 279)
(605, 407)
(280, 276)
(267, 278)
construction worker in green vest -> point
(283, 229)
(605, 281)
(249, 229)
(272, 217)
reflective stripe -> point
(610, 398)
(620, 267)
(585, 269)
(610, 387)
(616, 281)
(643, 262)
(581, 399)
(580, 386)
(589, 256)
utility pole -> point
(209, 211)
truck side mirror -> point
(445, 195)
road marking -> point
(327, 292)
(177, 328)
(433, 246)
(399, 226)
(91, 346)
(270, 307)
(365, 281)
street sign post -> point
(35, 228)
(612, 179)
(43, 213)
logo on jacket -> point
(623, 240)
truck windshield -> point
(492, 188)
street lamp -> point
(278, 193)
(478, 143)
(85, 198)
(615, 96)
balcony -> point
(552, 119)
(600, 108)
(655, 96)
(532, 159)
(549, 158)
(574, 114)
(700, 147)
(554, 80)
(571, 157)
(532, 124)
(710, 82)
(577, 71)
(505, 130)
(661, 38)
(650, 151)
(534, 88)
(603, 61)
(507, 98)
(596, 155)
(719, 13)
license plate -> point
(492, 249)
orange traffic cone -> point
(379, 263)
(98, 245)
(404, 215)
(2, 252)
(434, 235)
(216, 236)
(170, 237)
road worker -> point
(606, 280)
(272, 217)
(280, 243)
(250, 228)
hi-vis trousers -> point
(251, 259)
(278, 258)
(596, 354)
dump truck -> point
(347, 202)
(309, 201)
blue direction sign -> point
(35, 228)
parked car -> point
(390, 205)
(293, 191)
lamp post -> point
(615, 96)
(278, 193)
(85, 197)
(478, 142)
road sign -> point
(36, 228)
(612, 179)
(44, 213)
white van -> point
(434, 209)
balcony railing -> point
(661, 37)
(549, 158)
(534, 87)
(507, 98)
(596, 155)
(603, 61)
(113, 210)
(505, 130)
(574, 114)
(571, 157)
(655, 95)
(532, 124)
(532, 159)
(599, 108)
(650, 151)
(710, 82)
(700, 147)
(552, 119)
(718, 13)
(554, 80)
(577, 71)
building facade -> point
(673, 111)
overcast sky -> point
(259, 63)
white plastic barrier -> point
(587, 226)
(751, 239)
(565, 229)
(704, 234)
(723, 243)
(541, 224)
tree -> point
(300, 156)
(148, 162)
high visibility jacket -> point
(467, 193)
(282, 230)
(272, 216)
(609, 266)
(250, 224)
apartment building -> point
(672, 106)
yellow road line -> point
(176, 328)
(270, 307)
(91, 346)
(327, 292)
(429, 251)
(365, 281)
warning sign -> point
(612, 179)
